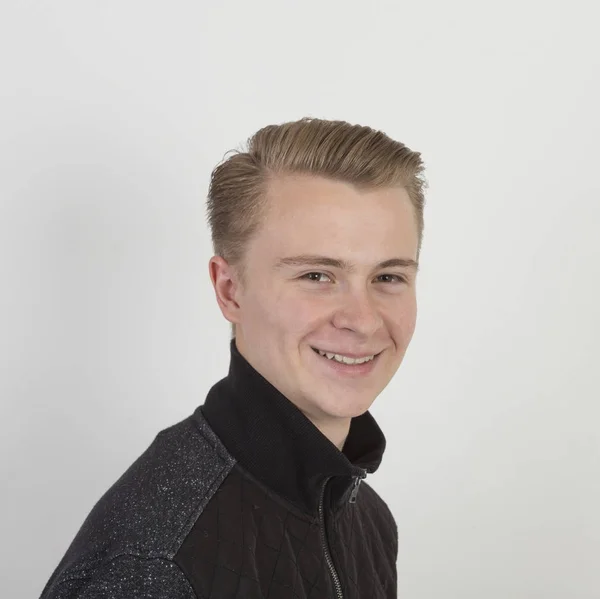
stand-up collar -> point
(272, 439)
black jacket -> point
(246, 498)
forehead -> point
(333, 215)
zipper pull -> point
(357, 480)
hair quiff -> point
(337, 150)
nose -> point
(358, 312)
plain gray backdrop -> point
(112, 116)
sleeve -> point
(126, 577)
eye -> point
(398, 278)
(318, 274)
(314, 277)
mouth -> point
(336, 365)
(323, 351)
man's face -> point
(284, 312)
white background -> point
(113, 114)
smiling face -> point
(344, 302)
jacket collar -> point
(272, 439)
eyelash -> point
(399, 277)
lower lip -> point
(348, 369)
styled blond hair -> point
(338, 150)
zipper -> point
(357, 480)
(336, 580)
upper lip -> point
(347, 354)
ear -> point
(224, 280)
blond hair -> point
(338, 150)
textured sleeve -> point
(125, 577)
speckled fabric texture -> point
(136, 528)
(244, 499)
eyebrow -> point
(316, 260)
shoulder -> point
(142, 520)
(154, 503)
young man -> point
(317, 232)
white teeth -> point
(345, 359)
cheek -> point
(411, 323)
(404, 318)
(261, 311)
(301, 314)
(286, 312)
(304, 313)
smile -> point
(345, 359)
